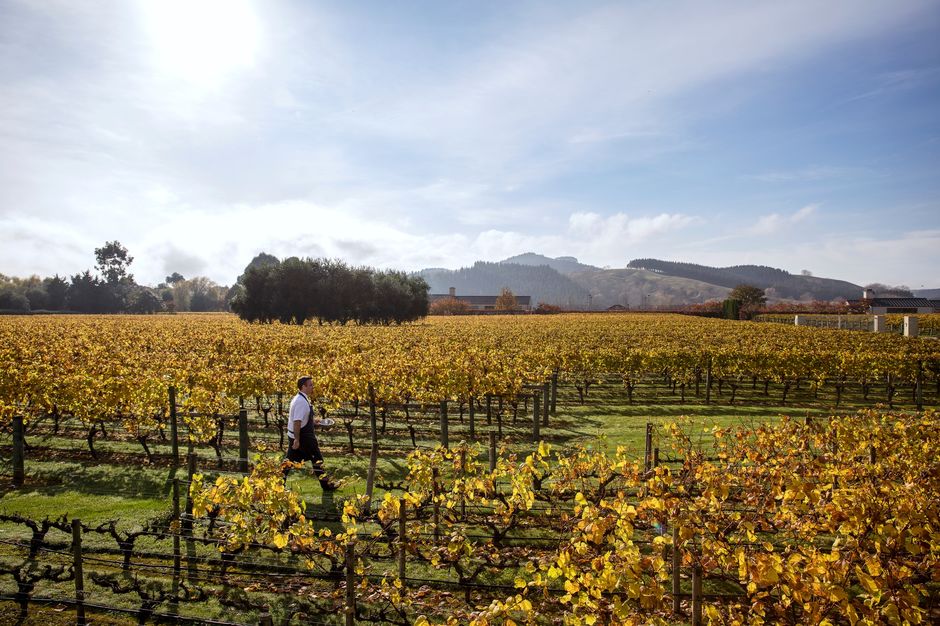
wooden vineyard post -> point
(676, 562)
(697, 595)
(554, 391)
(350, 584)
(177, 559)
(536, 417)
(243, 440)
(463, 471)
(373, 421)
(402, 543)
(19, 452)
(437, 505)
(79, 575)
(264, 618)
(444, 438)
(187, 525)
(489, 409)
(370, 477)
(655, 458)
(349, 433)
(499, 418)
(648, 455)
(492, 452)
(708, 381)
(174, 427)
(546, 403)
(472, 419)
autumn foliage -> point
(816, 521)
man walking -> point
(302, 440)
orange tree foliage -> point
(449, 306)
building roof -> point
(907, 303)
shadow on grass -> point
(53, 478)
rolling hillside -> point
(644, 283)
(541, 282)
(778, 283)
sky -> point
(198, 133)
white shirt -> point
(299, 412)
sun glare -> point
(201, 41)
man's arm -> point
(295, 417)
(295, 426)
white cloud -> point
(312, 139)
(774, 223)
(620, 227)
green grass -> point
(128, 511)
(97, 492)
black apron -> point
(309, 447)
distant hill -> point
(562, 264)
(640, 289)
(644, 283)
(930, 294)
(541, 282)
(587, 288)
(777, 282)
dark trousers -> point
(309, 451)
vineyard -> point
(473, 486)
(928, 324)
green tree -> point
(112, 260)
(144, 300)
(56, 292)
(748, 295)
(12, 301)
(86, 294)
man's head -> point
(305, 384)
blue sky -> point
(802, 135)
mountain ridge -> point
(780, 283)
(644, 283)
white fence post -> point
(910, 326)
(878, 324)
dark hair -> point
(303, 381)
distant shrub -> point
(449, 306)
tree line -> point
(112, 289)
(295, 290)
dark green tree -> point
(144, 300)
(87, 294)
(112, 261)
(296, 290)
(38, 298)
(263, 259)
(13, 301)
(56, 292)
(748, 295)
(256, 302)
